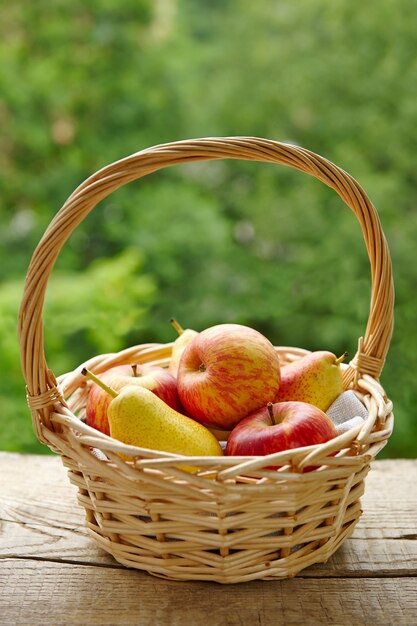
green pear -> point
(185, 336)
(138, 417)
(315, 378)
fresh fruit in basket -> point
(151, 377)
(226, 372)
(185, 336)
(280, 426)
(138, 417)
(315, 378)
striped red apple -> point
(226, 372)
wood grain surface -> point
(51, 573)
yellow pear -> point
(138, 417)
(315, 378)
(181, 342)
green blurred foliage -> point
(85, 83)
(86, 313)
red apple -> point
(226, 372)
(280, 426)
(152, 377)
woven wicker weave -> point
(233, 520)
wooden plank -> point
(49, 542)
(390, 501)
(369, 557)
(356, 557)
(41, 480)
(29, 482)
(76, 595)
(40, 519)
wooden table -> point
(51, 573)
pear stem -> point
(98, 381)
(176, 325)
(341, 358)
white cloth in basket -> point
(346, 412)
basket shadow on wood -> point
(231, 519)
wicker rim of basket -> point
(43, 391)
(353, 448)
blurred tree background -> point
(84, 83)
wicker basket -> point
(233, 520)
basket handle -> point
(40, 381)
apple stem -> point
(98, 381)
(135, 370)
(176, 325)
(341, 358)
(270, 408)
